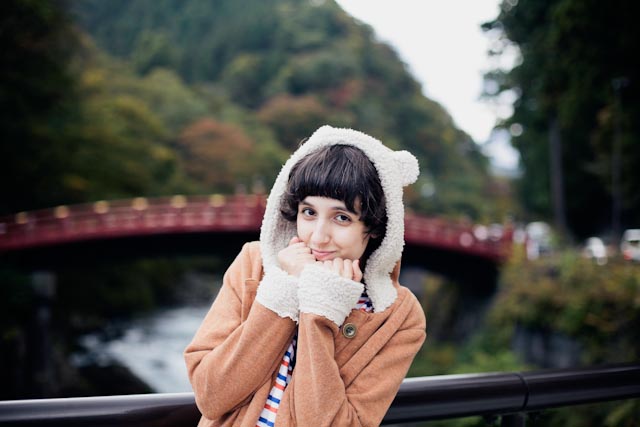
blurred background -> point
(129, 106)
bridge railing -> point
(107, 219)
(180, 214)
(509, 394)
(493, 242)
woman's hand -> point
(344, 268)
(294, 257)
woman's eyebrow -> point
(333, 208)
(343, 208)
(340, 208)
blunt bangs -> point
(340, 172)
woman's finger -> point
(347, 269)
(357, 273)
(337, 266)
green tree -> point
(572, 54)
(278, 69)
(293, 118)
(37, 94)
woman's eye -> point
(306, 211)
(343, 219)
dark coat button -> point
(349, 330)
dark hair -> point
(344, 173)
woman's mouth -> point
(322, 255)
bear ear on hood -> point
(407, 165)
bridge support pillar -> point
(40, 346)
(514, 420)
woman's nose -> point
(320, 233)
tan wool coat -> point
(337, 381)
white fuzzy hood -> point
(396, 169)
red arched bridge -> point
(139, 217)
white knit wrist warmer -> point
(325, 293)
(278, 291)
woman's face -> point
(330, 230)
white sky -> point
(446, 51)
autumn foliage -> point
(216, 154)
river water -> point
(150, 347)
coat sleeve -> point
(320, 396)
(229, 359)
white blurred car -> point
(538, 240)
(594, 248)
(630, 244)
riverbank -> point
(54, 344)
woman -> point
(311, 327)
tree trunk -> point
(557, 180)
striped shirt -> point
(268, 415)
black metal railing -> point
(509, 395)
